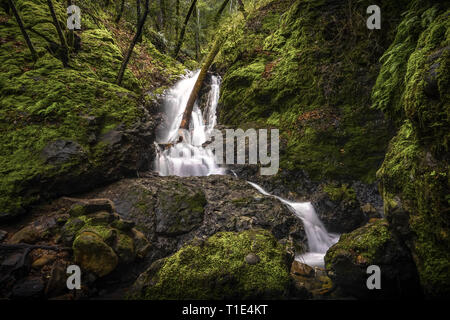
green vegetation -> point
(308, 70)
(415, 173)
(43, 102)
(216, 269)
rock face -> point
(216, 268)
(347, 261)
(179, 212)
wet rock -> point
(252, 258)
(70, 229)
(57, 285)
(28, 288)
(3, 235)
(141, 244)
(43, 260)
(338, 209)
(179, 213)
(93, 254)
(124, 248)
(61, 151)
(302, 269)
(28, 234)
(123, 225)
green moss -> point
(367, 244)
(216, 269)
(42, 102)
(340, 193)
(308, 70)
(415, 173)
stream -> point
(189, 158)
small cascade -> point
(319, 240)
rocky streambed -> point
(136, 236)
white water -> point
(319, 240)
(189, 158)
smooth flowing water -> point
(319, 240)
(189, 158)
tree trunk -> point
(177, 19)
(138, 15)
(119, 15)
(64, 48)
(242, 8)
(219, 13)
(183, 29)
(22, 29)
(198, 84)
(127, 57)
(197, 33)
(162, 14)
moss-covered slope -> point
(42, 102)
(413, 89)
(307, 68)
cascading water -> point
(319, 240)
(189, 158)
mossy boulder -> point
(93, 254)
(373, 244)
(217, 269)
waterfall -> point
(189, 158)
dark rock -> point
(339, 216)
(374, 244)
(61, 151)
(57, 285)
(178, 213)
(28, 234)
(3, 235)
(28, 288)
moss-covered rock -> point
(93, 254)
(373, 244)
(217, 269)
